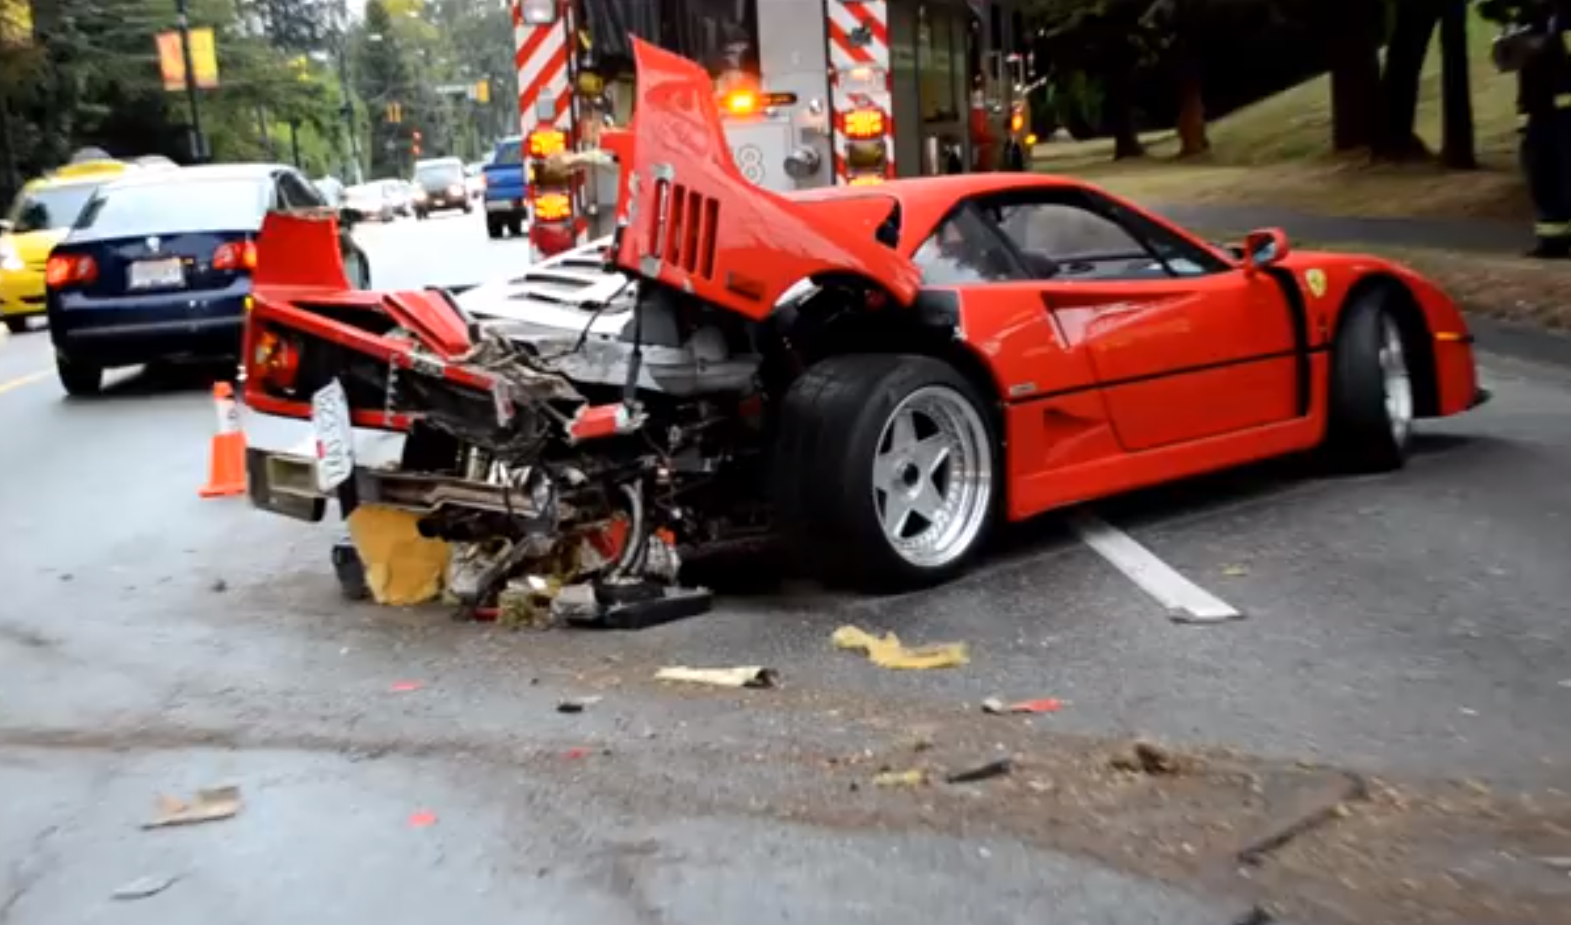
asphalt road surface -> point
(1403, 648)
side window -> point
(1069, 237)
(295, 193)
(963, 250)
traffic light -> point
(483, 92)
(395, 113)
(415, 139)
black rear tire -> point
(515, 227)
(833, 424)
(16, 324)
(493, 227)
(1370, 425)
(79, 379)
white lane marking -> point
(1186, 602)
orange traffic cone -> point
(226, 462)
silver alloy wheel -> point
(1397, 380)
(933, 477)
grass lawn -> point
(1277, 152)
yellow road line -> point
(20, 381)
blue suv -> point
(506, 189)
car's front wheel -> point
(886, 470)
(79, 378)
(1372, 389)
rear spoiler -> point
(694, 223)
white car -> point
(369, 202)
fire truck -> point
(812, 92)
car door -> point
(1184, 345)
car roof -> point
(200, 174)
(924, 201)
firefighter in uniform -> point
(1544, 103)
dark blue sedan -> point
(158, 267)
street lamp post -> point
(198, 140)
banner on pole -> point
(16, 22)
(204, 59)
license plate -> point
(157, 274)
(335, 449)
(500, 205)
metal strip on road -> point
(1186, 602)
(20, 381)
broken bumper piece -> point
(628, 604)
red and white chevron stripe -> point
(541, 59)
(859, 38)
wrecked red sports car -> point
(878, 375)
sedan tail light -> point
(65, 270)
(239, 256)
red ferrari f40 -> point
(876, 375)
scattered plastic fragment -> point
(1235, 571)
(1044, 705)
(747, 676)
(987, 771)
(423, 819)
(206, 806)
(143, 887)
(888, 652)
(577, 704)
(912, 778)
(219, 586)
(405, 687)
(574, 754)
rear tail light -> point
(239, 256)
(274, 360)
(547, 141)
(867, 151)
(64, 270)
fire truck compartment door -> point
(759, 149)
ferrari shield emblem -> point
(1316, 281)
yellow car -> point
(43, 213)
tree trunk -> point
(1458, 150)
(1415, 25)
(1192, 137)
(1120, 83)
(1353, 29)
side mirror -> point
(347, 217)
(1265, 247)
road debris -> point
(752, 676)
(143, 887)
(422, 819)
(915, 777)
(207, 806)
(219, 586)
(1307, 812)
(577, 704)
(888, 652)
(402, 568)
(1045, 705)
(1146, 758)
(992, 769)
(526, 602)
(405, 687)
(1235, 571)
(575, 754)
(1557, 863)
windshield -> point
(186, 205)
(440, 173)
(508, 153)
(50, 207)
